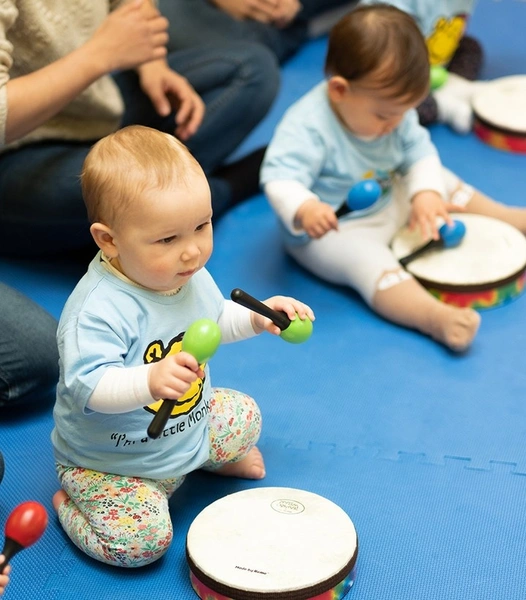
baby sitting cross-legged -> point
(360, 123)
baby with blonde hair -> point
(120, 344)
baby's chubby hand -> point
(316, 218)
(293, 308)
(426, 207)
(171, 377)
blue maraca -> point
(362, 195)
(450, 236)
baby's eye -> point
(382, 118)
(167, 240)
(202, 226)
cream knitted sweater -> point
(34, 33)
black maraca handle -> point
(343, 210)
(419, 251)
(9, 550)
(278, 318)
(160, 419)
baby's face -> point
(371, 113)
(167, 236)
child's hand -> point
(4, 576)
(171, 377)
(316, 218)
(427, 206)
(290, 306)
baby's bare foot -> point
(457, 327)
(58, 498)
(250, 467)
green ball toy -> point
(298, 331)
(202, 339)
(438, 76)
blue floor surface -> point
(425, 450)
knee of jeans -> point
(262, 67)
(40, 387)
(44, 360)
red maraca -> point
(24, 526)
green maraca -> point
(437, 77)
(295, 331)
(201, 340)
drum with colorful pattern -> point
(487, 269)
(272, 544)
(499, 110)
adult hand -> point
(276, 12)
(4, 575)
(286, 12)
(132, 34)
(170, 91)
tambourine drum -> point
(499, 110)
(272, 543)
(487, 269)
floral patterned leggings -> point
(125, 521)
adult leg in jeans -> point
(191, 21)
(41, 206)
(238, 83)
(28, 350)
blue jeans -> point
(41, 206)
(191, 21)
(28, 350)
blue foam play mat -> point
(424, 449)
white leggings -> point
(359, 254)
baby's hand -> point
(316, 218)
(290, 306)
(4, 575)
(172, 376)
(426, 207)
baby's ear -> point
(337, 88)
(103, 237)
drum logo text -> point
(288, 507)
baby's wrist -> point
(257, 323)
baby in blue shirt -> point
(456, 57)
(120, 346)
(360, 124)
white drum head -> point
(490, 253)
(272, 543)
(501, 103)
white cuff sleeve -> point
(426, 174)
(285, 198)
(121, 390)
(235, 323)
